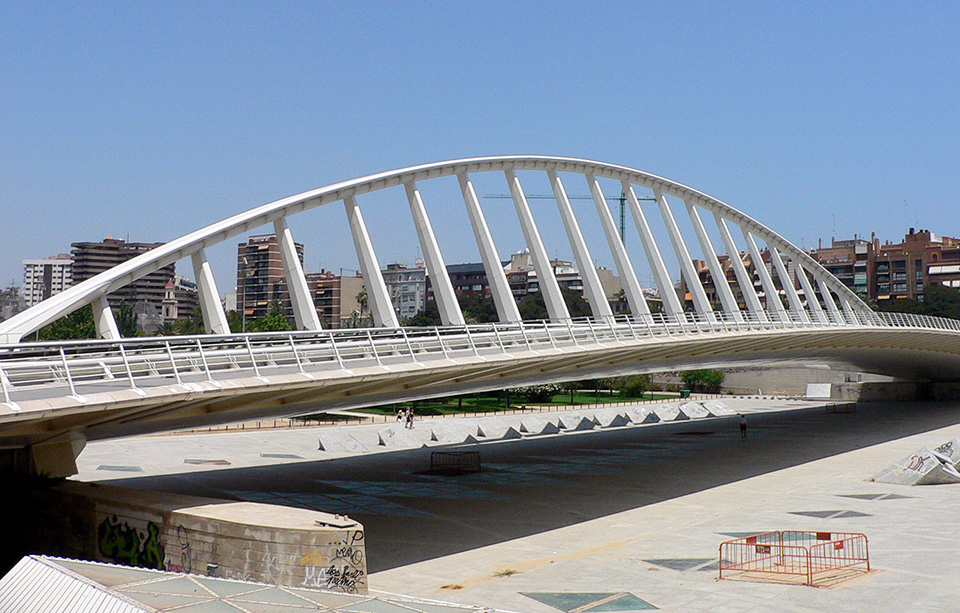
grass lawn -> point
(486, 404)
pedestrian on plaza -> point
(400, 415)
(743, 426)
(410, 418)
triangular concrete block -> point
(334, 440)
(694, 410)
(611, 418)
(533, 425)
(669, 412)
(950, 451)
(642, 415)
(922, 467)
(718, 408)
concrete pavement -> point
(637, 510)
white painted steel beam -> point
(450, 313)
(668, 295)
(766, 281)
(592, 288)
(15, 328)
(378, 297)
(507, 310)
(103, 319)
(744, 278)
(214, 318)
(828, 300)
(552, 297)
(304, 310)
(700, 301)
(786, 282)
(727, 299)
(813, 305)
(628, 277)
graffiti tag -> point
(123, 544)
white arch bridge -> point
(56, 396)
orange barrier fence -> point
(794, 552)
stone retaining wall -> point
(241, 540)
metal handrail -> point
(31, 365)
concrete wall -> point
(241, 540)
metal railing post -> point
(443, 347)
(126, 364)
(296, 355)
(373, 347)
(203, 358)
(470, 339)
(5, 384)
(409, 346)
(173, 363)
(66, 371)
(336, 350)
(253, 360)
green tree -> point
(938, 301)
(706, 380)
(235, 321)
(533, 307)
(76, 325)
(428, 317)
(538, 393)
(127, 321)
(633, 386)
(273, 321)
(941, 301)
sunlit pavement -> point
(630, 516)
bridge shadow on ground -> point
(539, 484)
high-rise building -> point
(46, 277)
(90, 259)
(11, 302)
(902, 270)
(407, 286)
(337, 299)
(849, 261)
(261, 280)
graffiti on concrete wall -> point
(345, 571)
(186, 557)
(125, 544)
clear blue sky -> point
(152, 119)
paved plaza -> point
(628, 516)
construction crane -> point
(622, 199)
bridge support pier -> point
(54, 459)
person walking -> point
(743, 426)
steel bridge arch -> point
(193, 245)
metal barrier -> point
(799, 553)
(454, 462)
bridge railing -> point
(41, 370)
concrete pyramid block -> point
(400, 438)
(718, 408)
(532, 425)
(950, 452)
(335, 440)
(496, 428)
(611, 418)
(694, 410)
(669, 412)
(922, 467)
(452, 432)
(642, 415)
(572, 421)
